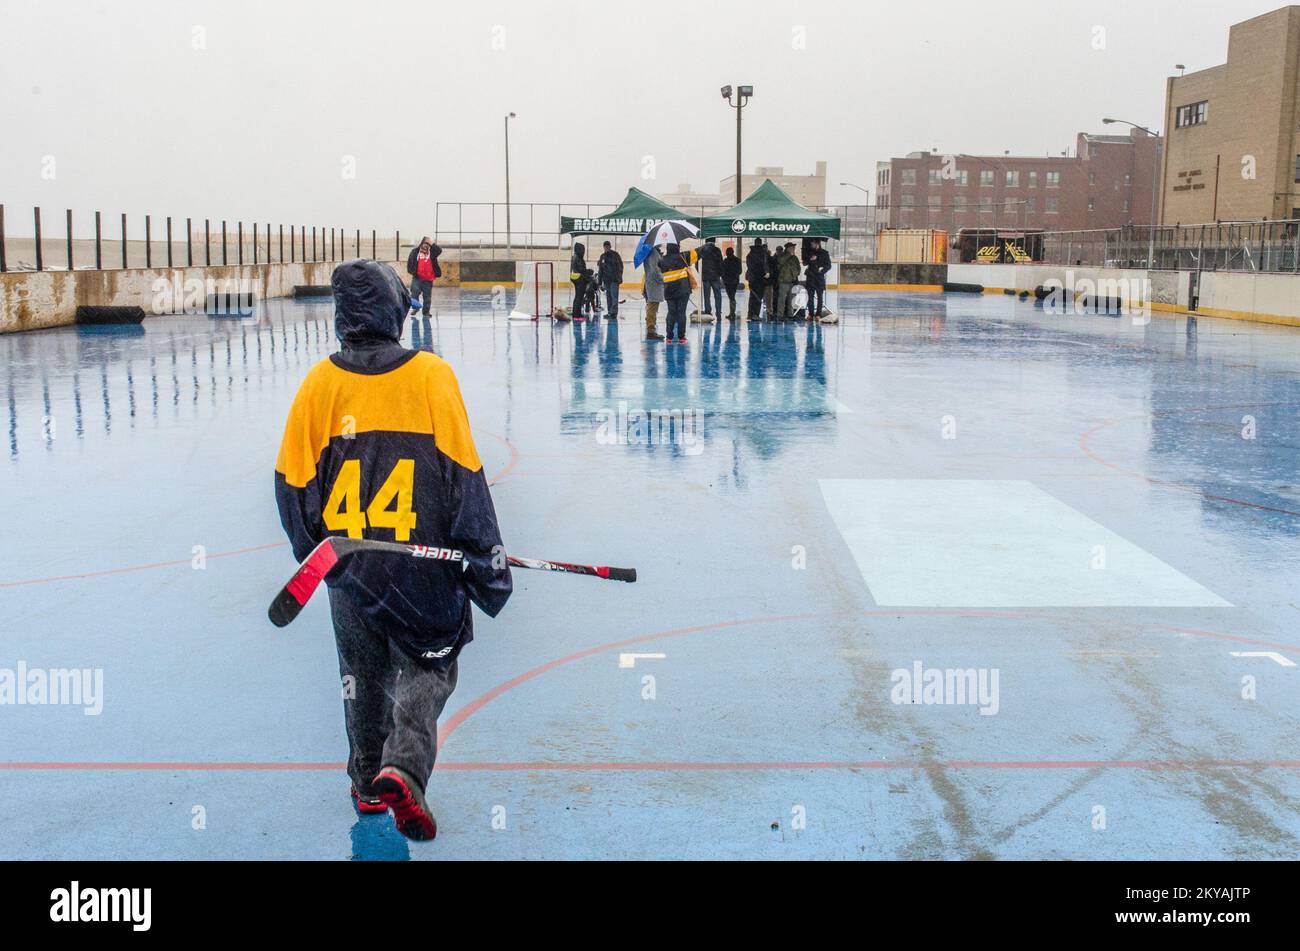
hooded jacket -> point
(578, 263)
(674, 266)
(710, 262)
(378, 445)
(756, 266)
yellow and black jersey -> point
(386, 453)
(676, 264)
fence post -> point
(225, 259)
(207, 242)
(70, 239)
(189, 242)
(397, 247)
(4, 266)
(124, 257)
(254, 243)
(374, 246)
(358, 242)
(282, 242)
(169, 241)
(40, 264)
(148, 244)
(239, 250)
(99, 250)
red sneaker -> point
(401, 793)
(370, 805)
(681, 339)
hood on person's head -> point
(758, 242)
(731, 252)
(711, 241)
(370, 303)
(580, 249)
(607, 245)
(674, 248)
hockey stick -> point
(295, 595)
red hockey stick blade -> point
(295, 595)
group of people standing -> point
(772, 277)
(607, 278)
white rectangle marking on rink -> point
(922, 543)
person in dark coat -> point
(731, 280)
(422, 265)
(819, 265)
(582, 277)
(610, 270)
(756, 277)
(711, 276)
(676, 266)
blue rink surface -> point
(1104, 514)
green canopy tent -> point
(770, 212)
(637, 214)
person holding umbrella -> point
(675, 266)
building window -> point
(1127, 205)
(1053, 205)
(1092, 205)
(1032, 205)
(1297, 169)
(1053, 179)
(1013, 179)
(986, 178)
(1092, 178)
(906, 201)
(1033, 179)
(1128, 179)
(909, 176)
(936, 176)
(962, 177)
(1197, 113)
(959, 204)
(935, 202)
(986, 206)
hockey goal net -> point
(536, 295)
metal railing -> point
(188, 242)
(1252, 246)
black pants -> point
(755, 298)
(677, 302)
(731, 298)
(391, 702)
(816, 299)
(582, 289)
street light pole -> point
(1157, 185)
(742, 97)
(509, 116)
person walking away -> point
(756, 277)
(711, 277)
(676, 268)
(422, 265)
(399, 629)
(819, 265)
(581, 276)
(610, 269)
(652, 288)
(730, 281)
(787, 278)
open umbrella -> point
(667, 232)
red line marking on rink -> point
(669, 766)
(464, 713)
(1086, 438)
(514, 460)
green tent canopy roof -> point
(770, 212)
(637, 214)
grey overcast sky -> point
(249, 110)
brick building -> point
(1107, 183)
(1234, 130)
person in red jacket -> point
(422, 265)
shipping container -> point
(912, 246)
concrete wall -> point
(889, 275)
(32, 300)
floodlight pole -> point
(509, 116)
(742, 96)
